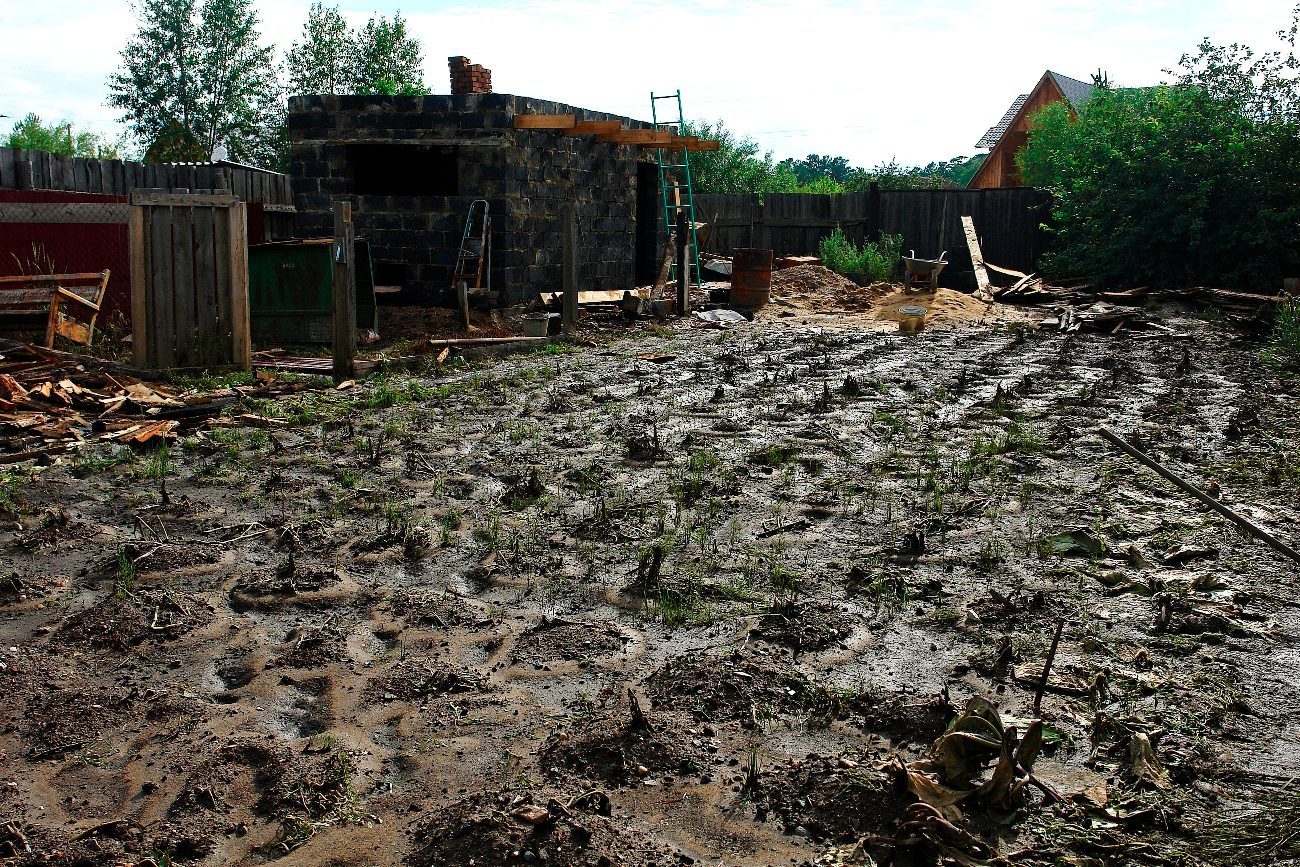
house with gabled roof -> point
(1008, 136)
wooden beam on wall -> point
(593, 127)
(636, 136)
(545, 121)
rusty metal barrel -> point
(751, 278)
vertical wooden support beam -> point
(241, 335)
(569, 286)
(462, 303)
(139, 290)
(873, 213)
(345, 294)
(683, 265)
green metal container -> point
(290, 291)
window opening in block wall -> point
(404, 170)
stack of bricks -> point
(469, 77)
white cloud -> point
(872, 80)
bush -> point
(877, 261)
(1285, 346)
(1193, 182)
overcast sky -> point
(913, 81)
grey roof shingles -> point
(1076, 93)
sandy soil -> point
(685, 597)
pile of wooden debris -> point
(53, 402)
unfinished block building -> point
(412, 165)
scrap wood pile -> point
(52, 402)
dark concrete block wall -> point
(527, 176)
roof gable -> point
(999, 129)
(1076, 92)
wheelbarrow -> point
(923, 272)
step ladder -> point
(474, 260)
(675, 183)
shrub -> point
(1285, 346)
(877, 261)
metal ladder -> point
(676, 194)
(474, 259)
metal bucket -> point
(751, 278)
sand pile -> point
(943, 307)
(813, 287)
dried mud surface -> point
(681, 597)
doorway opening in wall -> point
(647, 224)
(389, 277)
(404, 170)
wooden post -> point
(462, 304)
(873, 213)
(569, 286)
(683, 267)
(139, 286)
(345, 294)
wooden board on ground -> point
(982, 290)
(596, 296)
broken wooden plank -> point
(1241, 521)
(545, 121)
(982, 290)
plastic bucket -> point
(751, 278)
(911, 318)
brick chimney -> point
(469, 77)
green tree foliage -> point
(59, 138)
(737, 166)
(815, 167)
(386, 58)
(1193, 182)
(204, 67)
(959, 170)
(322, 61)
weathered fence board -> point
(38, 170)
(1008, 222)
(190, 280)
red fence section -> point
(29, 248)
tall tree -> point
(156, 81)
(206, 71)
(387, 59)
(322, 61)
(240, 92)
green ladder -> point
(675, 190)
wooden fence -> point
(189, 280)
(1007, 220)
(40, 170)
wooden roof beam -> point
(593, 127)
(636, 136)
(545, 121)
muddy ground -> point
(681, 597)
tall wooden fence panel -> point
(189, 280)
(1007, 220)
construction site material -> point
(923, 272)
(569, 285)
(345, 294)
(474, 257)
(676, 190)
(44, 300)
(277, 360)
(291, 291)
(751, 278)
(783, 262)
(53, 402)
(683, 267)
(469, 77)
(545, 121)
(982, 286)
(189, 280)
(911, 318)
(1247, 525)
